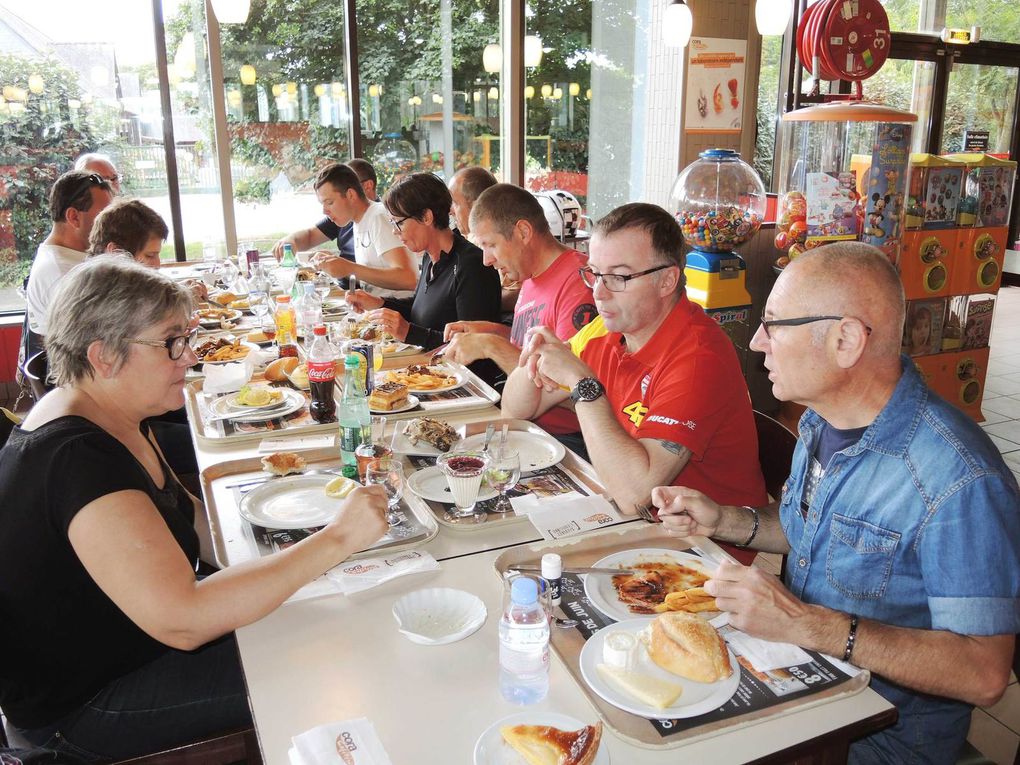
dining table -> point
(335, 657)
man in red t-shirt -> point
(508, 223)
(655, 383)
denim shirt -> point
(916, 525)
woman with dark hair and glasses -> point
(453, 283)
(119, 649)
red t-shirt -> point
(685, 385)
(558, 299)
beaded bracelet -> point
(754, 529)
(851, 638)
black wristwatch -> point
(587, 389)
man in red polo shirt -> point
(656, 384)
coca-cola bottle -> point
(322, 358)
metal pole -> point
(173, 185)
(220, 131)
(512, 120)
(446, 23)
(353, 81)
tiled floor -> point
(995, 731)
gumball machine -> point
(842, 177)
(719, 201)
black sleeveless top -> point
(64, 639)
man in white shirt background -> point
(380, 258)
(102, 165)
(75, 200)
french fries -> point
(233, 352)
(693, 600)
(421, 378)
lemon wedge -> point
(340, 487)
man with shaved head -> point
(466, 185)
(900, 520)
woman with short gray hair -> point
(120, 649)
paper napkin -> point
(359, 575)
(565, 516)
(225, 378)
(350, 742)
(764, 654)
(295, 443)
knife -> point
(575, 570)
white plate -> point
(537, 450)
(491, 749)
(292, 401)
(599, 587)
(430, 483)
(250, 346)
(459, 379)
(411, 403)
(438, 615)
(291, 502)
(696, 699)
(231, 403)
(230, 315)
(397, 348)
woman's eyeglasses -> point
(615, 282)
(174, 345)
(398, 222)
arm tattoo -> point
(674, 448)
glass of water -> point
(502, 474)
(388, 473)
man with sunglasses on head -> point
(102, 165)
(380, 257)
(75, 200)
(900, 519)
(655, 382)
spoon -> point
(489, 430)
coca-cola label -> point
(321, 371)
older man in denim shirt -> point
(901, 521)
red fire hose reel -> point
(843, 39)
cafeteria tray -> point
(232, 537)
(567, 643)
(575, 469)
(480, 395)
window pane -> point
(998, 19)
(412, 121)
(980, 98)
(768, 95)
(75, 80)
(904, 14)
(905, 85)
(287, 111)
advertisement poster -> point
(715, 85)
(831, 206)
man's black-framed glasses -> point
(615, 282)
(398, 222)
(174, 345)
(768, 324)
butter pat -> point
(618, 649)
(645, 688)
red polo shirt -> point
(684, 385)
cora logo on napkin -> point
(359, 568)
(344, 746)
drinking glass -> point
(503, 473)
(374, 446)
(388, 473)
(258, 301)
(267, 323)
(323, 284)
(464, 471)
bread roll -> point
(688, 646)
(278, 370)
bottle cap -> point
(524, 591)
(552, 566)
(283, 299)
(351, 361)
(319, 330)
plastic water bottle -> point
(524, 645)
(355, 418)
(308, 310)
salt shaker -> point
(552, 570)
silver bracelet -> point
(754, 529)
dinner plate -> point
(430, 483)
(250, 346)
(696, 699)
(228, 314)
(491, 749)
(411, 403)
(599, 590)
(458, 377)
(231, 401)
(537, 451)
(291, 502)
(292, 401)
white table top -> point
(338, 658)
(335, 658)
